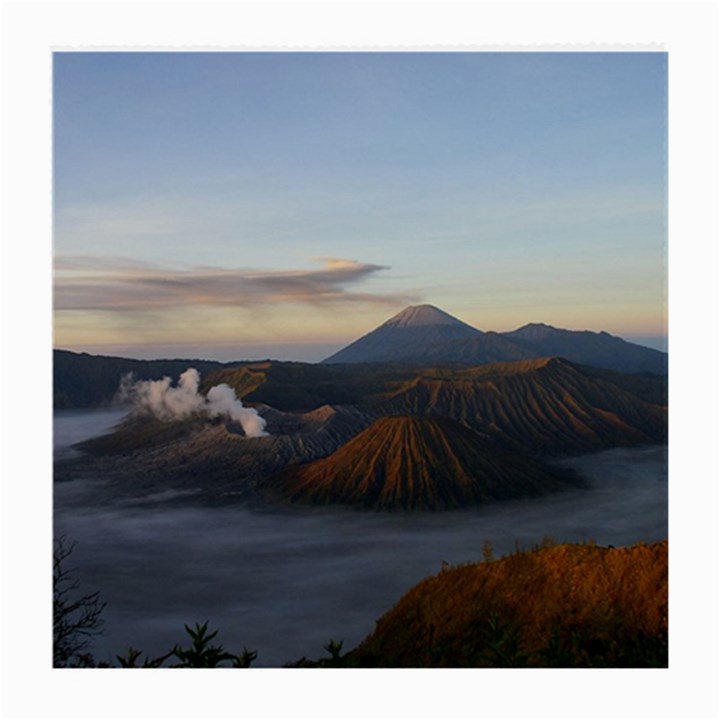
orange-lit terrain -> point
(417, 463)
(556, 606)
(544, 404)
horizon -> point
(287, 202)
(294, 352)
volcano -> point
(426, 335)
(405, 336)
(416, 463)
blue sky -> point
(239, 205)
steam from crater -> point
(168, 402)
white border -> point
(689, 31)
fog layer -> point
(285, 582)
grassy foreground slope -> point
(559, 606)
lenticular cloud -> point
(168, 402)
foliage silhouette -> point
(76, 617)
(334, 649)
(199, 654)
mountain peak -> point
(535, 331)
(417, 327)
(417, 315)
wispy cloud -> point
(102, 265)
(113, 284)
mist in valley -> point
(285, 582)
(72, 426)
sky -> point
(248, 205)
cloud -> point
(105, 264)
(85, 283)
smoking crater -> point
(170, 402)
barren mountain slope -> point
(412, 463)
(542, 404)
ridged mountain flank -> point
(416, 463)
(404, 336)
(543, 405)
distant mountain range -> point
(425, 334)
(423, 413)
(419, 335)
(390, 437)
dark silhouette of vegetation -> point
(76, 617)
(199, 654)
(335, 660)
(131, 657)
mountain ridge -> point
(425, 334)
(544, 405)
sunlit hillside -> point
(417, 463)
(556, 606)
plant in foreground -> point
(76, 618)
(199, 654)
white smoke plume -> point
(168, 402)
